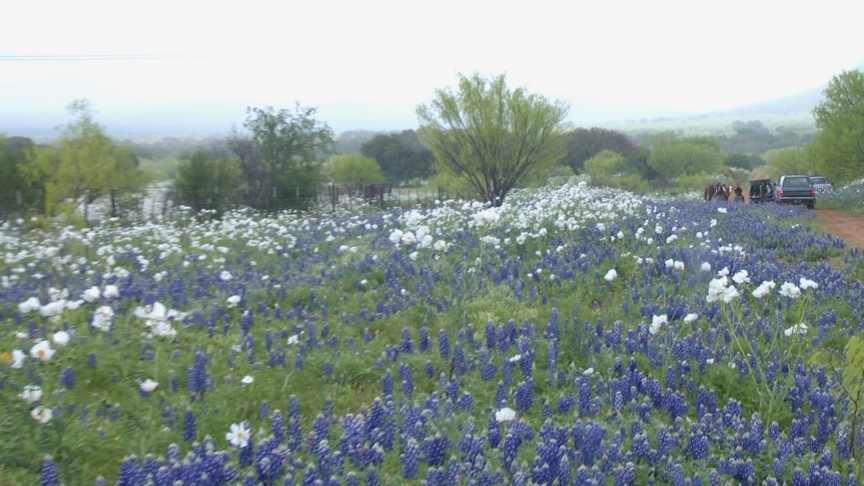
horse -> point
(718, 190)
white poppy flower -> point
(61, 338)
(148, 385)
(505, 414)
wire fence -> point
(164, 202)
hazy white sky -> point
(691, 55)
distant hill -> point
(798, 103)
(801, 102)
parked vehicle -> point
(761, 190)
(795, 189)
(821, 184)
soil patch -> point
(846, 225)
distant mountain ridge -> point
(202, 118)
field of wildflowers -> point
(573, 336)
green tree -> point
(354, 170)
(84, 166)
(738, 160)
(281, 158)
(206, 183)
(605, 165)
(401, 156)
(673, 156)
(491, 136)
(583, 143)
(839, 145)
(792, 160)
(18, 194)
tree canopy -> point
(280, 159)
(204, 182)
(791, 160)
(354, 170)
(401, 155)
(673, 156)
(83, 167)
(584, 143)
(838, 148)
(18, 193)
(490, 136)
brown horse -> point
(718, 190)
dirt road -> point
(848, 226)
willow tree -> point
(490, 136)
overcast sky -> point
(391, 55)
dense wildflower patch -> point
(575, 334)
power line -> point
(137, 57)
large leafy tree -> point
(490, 136)
(584, 143)
(281, 157)
(838, 148)
(354, 170)
(401, 155)
(18, 194)
(84, 166)
(673, 156)
(790, 160)
(204, 182)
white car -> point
(821, 184)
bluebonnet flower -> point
(371, 477)
(430, 370)
(189, 429)
(387, 383)
(443, 344)
(424, 341)
(48, 473)
(410, 459)
(405, 344)
(67, 378)
(435, 449)
(91, 361)
(459, 365)
(524, 396)
(407, 385)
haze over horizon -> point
(368, 65)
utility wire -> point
(136, 57)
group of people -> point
(761, 192)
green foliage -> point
(352, 141)
(354, 170)
(491, 136)
(18, 195)
(756, 138)
(838, 147)
(791, 160)
(159, 169)
(582, 144)
(853, 372)
(695, 182)
(401, 156)
(673, 156)
(206, 183)
(84, 167)
(280, 163)
(604, 166)
(738, 160)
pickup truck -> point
(795, 189)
